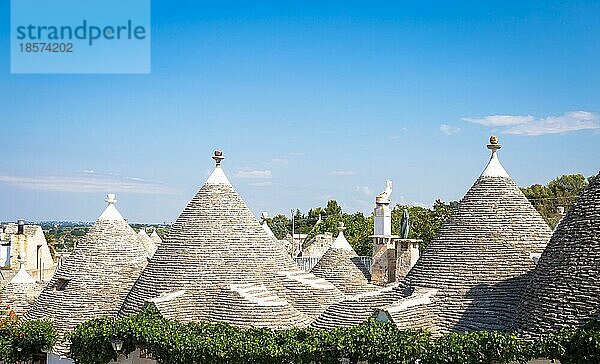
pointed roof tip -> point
(111, 213)
(494, 167)
(217, 177)
(22, 275)
(340, 242)
(143, 232)
(263, 222)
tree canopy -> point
(560, 192)
(424, 223)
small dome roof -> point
(340, 266)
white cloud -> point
(261, 184)
(528, 125)
(364, 190)
(90, 182)
(501, 120)
(342, 173)
(571, 121)
(254, 174)
(448, 130)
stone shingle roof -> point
(218, 264)
(413, 311)
(155, 238)
(481, 259)
(21, 291)
(565, 288)
(339, 265)
(148, 243)
(95, 278)
(356, 309)
(474, 271)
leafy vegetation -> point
(63, 236)
(376, 342)
(560, 192)
(19, 341)
(424, 223)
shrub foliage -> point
(375, 342)
(19, 341)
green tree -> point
(424, 223)
(560, 192)
(280, 226)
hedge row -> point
(376, 342)
(19, 341)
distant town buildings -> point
(29, 242)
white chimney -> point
(383, 213)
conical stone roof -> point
(148, 243)
(94, 280)
(218, 264)
(479, 263)
(155, 238)
(339, 265)
(565, 288)
(21, 291)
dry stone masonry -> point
(340, 266)
(472, 275)
(21, 291)
(480, 261)
(217, 263)
(565, 288)
(94, 280)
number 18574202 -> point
(46, 47)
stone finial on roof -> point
(22, 276)
(218, 157)
(494, 143)
(111, 198)
(340, 242)
(217, 177)
(111, 213)
(494, 168)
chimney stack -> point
(383, 213)
(383, 267)
(20, 227)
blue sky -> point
(309, 101)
